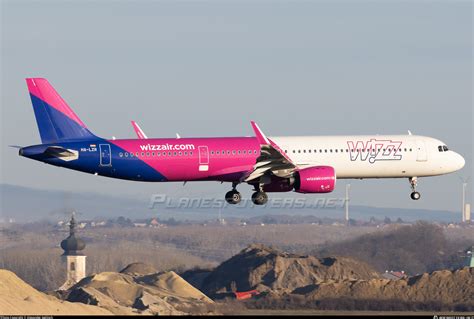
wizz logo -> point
(375, 150)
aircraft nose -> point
(458, 161)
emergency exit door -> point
(105, 155)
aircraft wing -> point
(272, 160)
(138, 130)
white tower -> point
(348, 186)
(75, 260)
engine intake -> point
(316, 179)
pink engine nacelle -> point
(317, 179)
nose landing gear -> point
(414, 195)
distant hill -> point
(25, 204)
(30, 204)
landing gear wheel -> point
(259, 198)
(233, 197)
(415, 196)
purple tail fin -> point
(56, 120)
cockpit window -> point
(440, 148)
(445, 148)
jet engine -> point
(316, 179)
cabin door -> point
(421, 155)
(105, 155)
(203, 158)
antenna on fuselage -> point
(409, 132)
(177, 135)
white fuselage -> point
(373, 156)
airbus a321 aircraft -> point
(304, 164)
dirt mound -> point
(163, 293)
(19, 298)
(444, 286)
(139, 269)
(264, 268)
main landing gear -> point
(233, 197)
(414, 195)
(258, 198)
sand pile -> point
(19, 298)
(135, 269)
(264, 268)
(444, 287)
(135, 290)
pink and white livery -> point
(305, 164)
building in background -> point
(470, 257)
(74, 259)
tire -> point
(415, 196)
(259, 198)
(233, 197)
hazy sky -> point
(208, 68)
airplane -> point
(304, 164)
